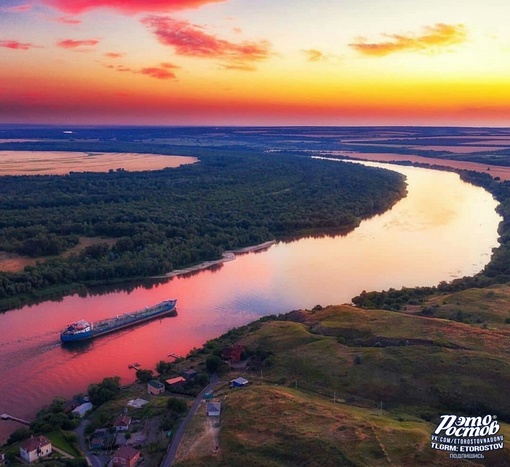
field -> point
(61, 163)
(364, 387)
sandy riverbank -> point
(227, 256)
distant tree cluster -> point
(169, 219)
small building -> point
(213, 409)
(137, 403)
(155, 387)
(70, 405)
(238, 382)
(175, 382)
(126, 456)
(102, 439)
(122, 423)
(82, 409)
(232, 353)
(34, 448)
(96, 444)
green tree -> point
(144, 375)
(177, 405)
(105, 391)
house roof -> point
(177, 379)
(242, 381)
(122, 420)
(156, 384)
(214, 407)
(83, 408)
(127, 452)
(31, 444)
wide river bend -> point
(443, 229)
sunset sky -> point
(255, 62)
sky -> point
(255, 62)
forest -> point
(156, 221)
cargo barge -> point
(83, 330)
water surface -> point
(443, 229)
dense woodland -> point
(155, 222)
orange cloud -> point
(113, 55)
(127, 6)
(160, 72)
(438, 36)
(191, 40)
(74, 44)
(314, 55)
(16, 45)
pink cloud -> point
(127, 6)
(68, 20)
(74, 44)
(162, 71)
(435, 37)
(191, 40)
(16, 45)
(16, 8)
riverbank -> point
(227, 256)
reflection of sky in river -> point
(442, 229)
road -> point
(92, 459)
(168, 460)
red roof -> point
(177, 379)
(127, 452)
(34, 443)
(122, 420)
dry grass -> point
(61, 163)
(13, 262)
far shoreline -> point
(229, 255)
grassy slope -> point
(418, 367)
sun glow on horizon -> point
(221, 62)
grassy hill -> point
(348, 386)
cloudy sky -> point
(255, 62)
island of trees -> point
(150, 223)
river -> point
(443, 229)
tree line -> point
(158, 221)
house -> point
(82, 409)
(126, 456)
(175, 382)
(232, 353)
(213, 409)
(122, 423)
(70, 405)
(101, 439)
(34, 448)
(238, 382)
(155, 387)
